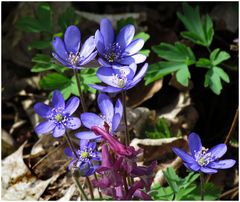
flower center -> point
(84, 154)
(59, 117)
(73, 59)
(120, 79)
(113, 52)
(203, 157)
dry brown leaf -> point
(141, 93)
(18, 183)
(160, 150)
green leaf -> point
(183, 75)
(198, 31)
(185, 191)
(211, 193)
(44, 17)
(161, 130)
(42, 22)
(28, 24)
(142, 35)
(44, 63)
(41, 58)
(204, 62)
(178, 189)
(218, 56)
(88, 76)
(162, 193)
(178, 57)
(158, 70)
(54, 81)
(213, 79)
(68, 17)
(172, 179)
(122, 22)
(40, 44)
(177, 53)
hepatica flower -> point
(119, 78)
(68, 52)
(87, 159)
(59, 116)
(122, 50)
(202, 159)
(109, 119)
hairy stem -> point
(70, 144)
(202, 186)
(76, 179)
(99, 192)
(90, 187)
(127, 138)
(79, 90)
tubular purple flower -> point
(115, 145)
(109, 119)
(68, 52)
(119, 78)
(202, 159)
(120, 51)
(87, 160)
(59, 116)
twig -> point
(233, 126)
(229, 135)
(229, 192)
(51, 152)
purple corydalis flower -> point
(109, 119)
(115, 145)
(202, 159)
(58, 117)
(120, 51)
(68, 52)
(110, 171)
(115, 168)
(87, 157)
(119, 78)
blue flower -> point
(202, 159)
(109, 119)
(68, 52)
(119, 78)
(87, 157)
(120, 51)
(58, 117)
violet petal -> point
(71, 105)
(183, 155)
(44, 127)
(72, 39)
(194, 143)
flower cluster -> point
(118, 57)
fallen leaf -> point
(18, 183)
